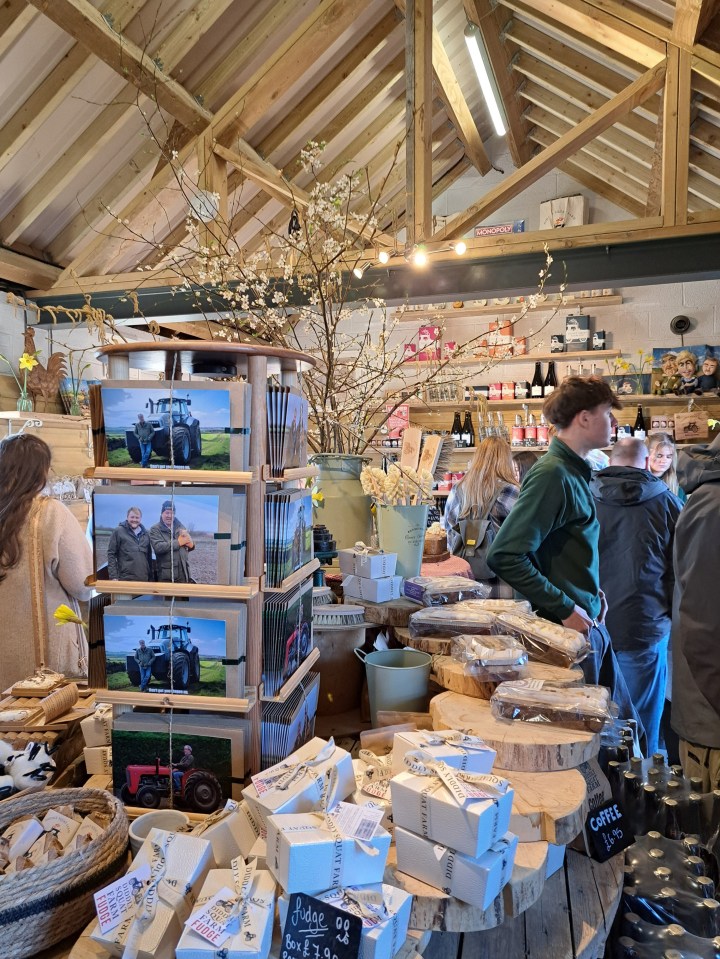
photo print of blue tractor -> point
(176, 430)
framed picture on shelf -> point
(629, 384)
(442, 393)
(557, 343)
(577, 332)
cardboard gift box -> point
(98, 760)
(376, 590)
(555, 859)
(458, 750)
(250, 937)
(178, 867)
(426, 805)
(297, 784)
(232, 831)
(305, 854)
(384, 910)
(368, 563)
(475, 880)
(373, 790)
(97, 729)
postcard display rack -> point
(213, 361)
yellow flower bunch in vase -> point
(28, 361)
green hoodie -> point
(547, 548)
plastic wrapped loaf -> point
(448, 621)
(498, 605)
(545, 642)
(441, 590)
(490, 658)
(541, 701)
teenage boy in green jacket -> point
(547, 548)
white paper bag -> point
(563, 211)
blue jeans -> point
(177, 779)
(145, 452)
(145, 676)
(645, 672)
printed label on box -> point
(214, 921)
(115, 901)
(357, 822)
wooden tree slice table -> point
(426, 644)
(526, 747)
(549, 807)
(450, 674)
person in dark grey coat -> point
(129, 553)
(171, 544)
(695, 631)
(637, 514)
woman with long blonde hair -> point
(662, 461)
(488, 489)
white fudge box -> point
(381, 938)
(477, 881)
(468, 753)
(424, 805)
(254, 937)
(98, 760)
(97, 729)
(375, 590)
(232, 832)
(187, 862)
(555, 859)
(305, 855)
(370, 564)
(266, 796)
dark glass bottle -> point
(536, 386)
(456, 429)
(651, 809)
(468, 433)
(551, 382)
(640, 425)
(672, 828)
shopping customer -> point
(523, 462)
(662, 461)
(129, 553)
(44, 561)
(547, 548)
(695, 637)
(479, 504)
(637, 515)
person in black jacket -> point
(129, 552)
(637, 514)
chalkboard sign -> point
(607, 831)
(316, 930)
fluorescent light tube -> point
(479, 57)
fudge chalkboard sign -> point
(316, 930)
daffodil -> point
(318, 498)
(64, 616)
(28, 361)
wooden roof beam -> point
(638, 91)
(418, 121)
(24, 270)
(448, 89)
(15, 18)
(692, 18)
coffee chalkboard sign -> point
(317, 930)
(607, 831)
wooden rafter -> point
(487, 16)
(418, 70)
(449, 91)
(645, 86)
(15, 17)
(691, 20)
(25, 271)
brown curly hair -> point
(24, 469)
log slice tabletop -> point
(548, 806)
(450, 674)
(526, 747)
(394, 612)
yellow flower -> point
(63, 615)
(27, 361)
(318, 498)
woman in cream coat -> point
(44, 561)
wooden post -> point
(212, 178)
(418, 120)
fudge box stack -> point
(369, 574)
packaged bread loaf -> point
(490, 658)
(442, 590)
(449, 621)
(542, 701)
(498, 605)
(545, 642)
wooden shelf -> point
(297, 577)
(294, 681)
(300, 472)
(216, 477)
(627, 398)
(178, 700)
(118, 587)
(522, 358)
(508, 309)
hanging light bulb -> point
(384, 256)
(359, 270)
(460, 247)
(294, 224)
(420, 256)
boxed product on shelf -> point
(232, 831)
(384, 910)
(190, 648)
(378, 590)
(457, 750)
(249, 891)
(184, 862)
(145, 745)
(297, 785)
(426, 805)
(200, 520)
(367, 562)
(97, 729)
(195, 425)
(307, 855)
(98, 760)
(475, 880)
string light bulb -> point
(384, 256)
(359, 270)
(419, 256)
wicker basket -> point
(42, 905)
